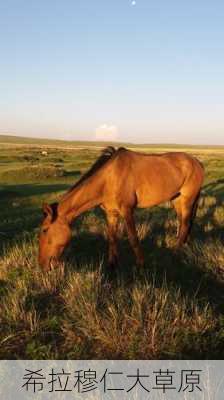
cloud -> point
(107, 133)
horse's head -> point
(55, 234)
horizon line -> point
(11, 135)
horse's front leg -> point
(112, 221)
(133, 237)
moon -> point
(133, 3)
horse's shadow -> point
(161, 264)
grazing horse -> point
(119, 181)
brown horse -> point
(119, 181)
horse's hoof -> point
(177, 248)
(113, 266)
(141, 263)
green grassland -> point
(173, 308)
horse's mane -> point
(105, 155)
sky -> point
(141, 71)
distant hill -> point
(11, 139)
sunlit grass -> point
(173, 308)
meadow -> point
(172, 309)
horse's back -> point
(150, 179)
(179, 165)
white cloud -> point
(106, 132)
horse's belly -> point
(158, 184)
(149, 198)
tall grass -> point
(173, 308)
(79, 310)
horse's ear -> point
(51, 211)
(47, 210)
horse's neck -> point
(82, 198)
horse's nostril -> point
(51, 263)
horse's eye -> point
(44, 230)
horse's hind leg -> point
(186, 209)
(194, 211)
(195, 207)
(177, 206)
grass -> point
(173, 308)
